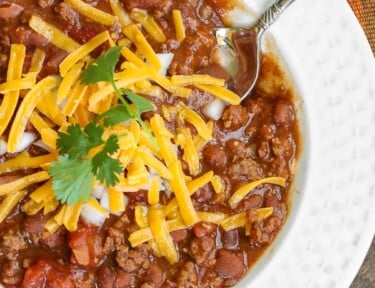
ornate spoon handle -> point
(271, 14)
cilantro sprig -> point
(74, 172)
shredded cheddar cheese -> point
(221, 93)
(25, 110)
(10, 100)
(23, 182)
(140, 215)
(116, 200)
(242, 219)
(178, 25)
(37, 61)
(9, 203)
(135, 35)
(24, 160)
(70, 78)
(244, 190)
(54, 35)
(185, 204)
(121, 14)
(82, 51)
(71, 216)
(149, 24)
(17, 84)
(193, 118)
(160, 232)
(197, 79)
(92, 12)
(153, 192)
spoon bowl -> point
(244, 48)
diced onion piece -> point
(3, 147)
(165, 60)
(98, 191)
(56, 36)
(214, 109)
(93, 213)
(26, 140)
(160, 232)
(149, 24)
(91, 12)
(39, 143)
(244, 190)
(9, 203)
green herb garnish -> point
(74, 173)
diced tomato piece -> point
(86, 244)
(47, 273)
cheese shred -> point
(91, 12)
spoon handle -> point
(272, 14)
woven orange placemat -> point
(365, 12)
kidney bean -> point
(228, 264)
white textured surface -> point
(331, 229)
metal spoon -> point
(244, 46)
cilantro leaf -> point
(76, 143)
(72, 179)
(115, 115)
(103, 68)
(104, 166)
(94, 134)
(72, 142)
(141, 103)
